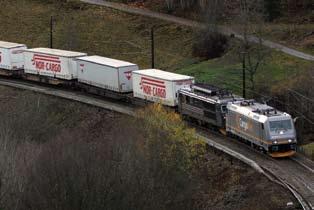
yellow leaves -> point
(170, 137)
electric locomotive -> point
(206, 103)
(262, 126)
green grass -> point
(111, 33)
(296, 36)
(227, 70)
(294, 32)
(95, 30)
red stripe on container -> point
(152, 80)
(43, 59)
(45, 56)
(157, 85)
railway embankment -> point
(255, 181)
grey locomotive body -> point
(263, 126)
(206, 103)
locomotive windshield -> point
(223, 108)
(280, 125)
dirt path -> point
(186, 22)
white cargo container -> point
(106, 73)
(11, 55)
(52, 62)
(159, 86)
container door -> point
(17, 58)
(4, 58)
(125, 78)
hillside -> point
(95, 30)
(288, 22)
(59, 154)
(279, 79)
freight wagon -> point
(105, 74)
(11, 58)
(260, 125)
(51, 64)
(159, 86)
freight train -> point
(260, 125)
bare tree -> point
(170, 5)
(251, 21)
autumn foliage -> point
(165, 131)
(144, 162)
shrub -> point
(141, 163)
(210, 45)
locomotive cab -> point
(281, 133)
(262, 126)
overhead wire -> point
(274, 99)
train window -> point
(210, 115)
(223, 108)
(187, 100)
(292, 146)
(280, 125)
(197, 103)
(275, 148)
(209, 106)
(262, 124)
(182, 98)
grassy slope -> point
(98, 30)
(295, 32)
(111, 33)
(227, 70)
(293, 35)
(296, 36)
(95, 30)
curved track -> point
(296, 174)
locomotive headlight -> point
(289, 140)
(275, 142)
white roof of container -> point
(165, 75)
(9, 45)
(106, 61)
(57, 52)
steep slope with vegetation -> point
(94, 30)
(282, 81)
(271, 76)
(287, 21)
(57, 154)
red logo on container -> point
(153, 87)
(46, 62)
(82, 67)
(128, 74)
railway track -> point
(295, 174)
